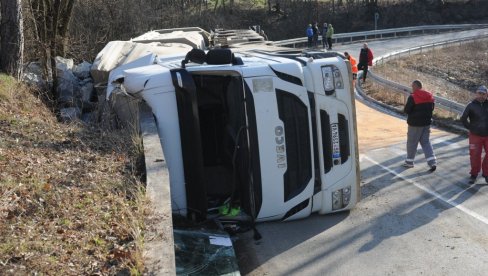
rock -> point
(82, 70)
(88, 117)
(70, 114)
(64, 64)
(33, 79)
(33, 75)
(68, 88)
(34, 67)
(86, 92)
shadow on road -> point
(278, 237)
(448, 182)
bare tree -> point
(51, 19)
(12, 38)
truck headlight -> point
(337, 199)
(328, 79)
(346, 196)
(339, 84)
(332, 78)
(341, 198)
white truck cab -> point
(272, 133)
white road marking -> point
(434, 194)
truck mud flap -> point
(191, 144)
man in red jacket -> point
(365, 60)
(419, 109)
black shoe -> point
(472, 179)
(433, 168)
(486, 179)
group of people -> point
(419, 109)
(313, 33)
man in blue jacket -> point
(419, 108)
(475, 119)
(310, 35)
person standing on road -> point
(315, 30)
(354, 68)
(365, 60)
(324, 36)
(263, 34)
(419, 109)
(475, 119)
(310, 35)
(330, 33)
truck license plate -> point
(336, 150)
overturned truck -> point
(266, 131)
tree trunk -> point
(11, 38)
(52, 19)
(53, 36)
(64, 22)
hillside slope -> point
(70, 201)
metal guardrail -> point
(394, 32)
(441, 102)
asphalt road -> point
(409, 221)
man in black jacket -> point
(475, 119)
(419, 108)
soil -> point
(377, 129)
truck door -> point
(283, 122)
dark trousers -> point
(364, 67)
(329, 41)
(324, 42)
(310, 39)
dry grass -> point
(396, 100)
(71, 202)
(451, 72)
